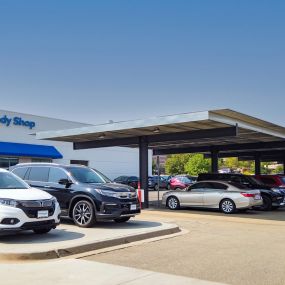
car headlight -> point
(276, 190)
(108, 193)
(54, 200)
(9, 202)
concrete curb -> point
(90, 246)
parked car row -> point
(33, 196)
(228, 193)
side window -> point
(215, 185)
(56, 174)
(200, 185)
(20, 172)
(237, 179)
(39, 174)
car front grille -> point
(31, 208)
(127, 195)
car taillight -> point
(248, 194)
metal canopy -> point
(209, 131)
(199, 129)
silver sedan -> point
(226, 196)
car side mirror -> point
(65, 182)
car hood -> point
(116, 187)
(24, 194)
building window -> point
(6, 162)
(80, 162)
(41, 160)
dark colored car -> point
(272, 198)
(273, 181)
(180, 182)
(84, 195)
(128, 180)
(153, 183)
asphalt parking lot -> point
(234, 249)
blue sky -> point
(92, 61)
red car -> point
(180, 182)
(274, 181)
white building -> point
(19, 144)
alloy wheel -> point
(82, 213)
(173, 203)
(227, 206)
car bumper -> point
(24, 222)
(279, 202)
(111, 211)
(246, 203)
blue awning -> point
(29, 150)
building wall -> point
(112, 161)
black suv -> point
(84, 194)
(272, 198)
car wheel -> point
(42, 231)
(227, 206)
(122, 220)
(267, 204)
(173, 203)
(156, 187)
(83, 214)
(168, 187)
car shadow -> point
(132, 224)
(28, 237)
(274, 215)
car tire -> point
(83, 214)
(156, 187)
(173, 203)
(227, 206)
(168, 187)
(122, 220)
(42, 231)
(275, 207)
(267, 204)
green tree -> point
(197, 164)
(175, 164)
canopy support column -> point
(143, 165)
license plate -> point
(133, 207)
(257, 197)
(42, 214)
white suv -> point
(25, 208)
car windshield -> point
(87, 175)
(185, 179)
(11, 181)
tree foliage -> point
(175, 164)
(191, 164)
(197, 164)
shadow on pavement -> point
(132, 224)
(28, 237)
(274, 215)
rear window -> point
(239, 186)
